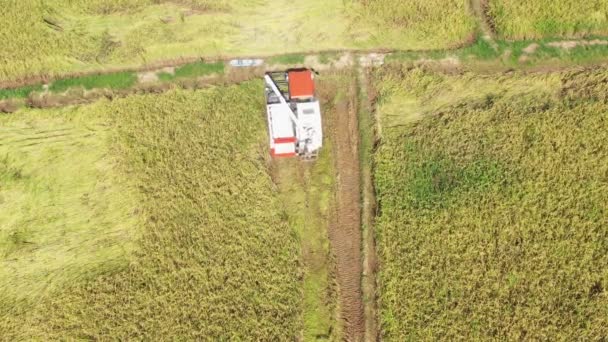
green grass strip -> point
(509, 52)
(288, 59)
(119, 80)
(328, 57)
(19, 93)
(193, 70)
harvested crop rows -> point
(345, 226)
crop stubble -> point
(345, 225)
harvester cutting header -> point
(294, 114)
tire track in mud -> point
(479, 9)
(345, 225)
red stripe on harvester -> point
(282, 155)
(284, 140)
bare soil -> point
(571, 44)
(147, 77)
(530, 49)
(372, 59)
(345, 225)
(479, 9)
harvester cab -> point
(294, 114)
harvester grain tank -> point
(294, 114)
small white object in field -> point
(246, 62)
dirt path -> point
(303, 188)
(479, 9)
(323, 202)
(367, 131)
(345, 226)
(177, 62)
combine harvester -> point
(294, 114)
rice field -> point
(521, 19)
(150, 217)
(417, 24)
(65, 214)
(493, 218)
(50, 39)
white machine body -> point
(294, 114)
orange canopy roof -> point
(301, 84)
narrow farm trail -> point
(305, 190)
(479, 9)
(367, 131)
(345, 225)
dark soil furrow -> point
(345, 228)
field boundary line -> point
(177, 62)
(367, 138)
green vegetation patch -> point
(482, 49)
(118, 80)
(19, 93)
(193, 70)
(493, 206)
(507, 54)
(216, 258)
(436, 180)
(328, 57)
(287, 59)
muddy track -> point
(345, 226)
(479, 9)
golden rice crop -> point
(65, 214)
(493, 215)
(51, 38)
(522, 19)
(413, 24)
(215, 258)
(30, 45)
